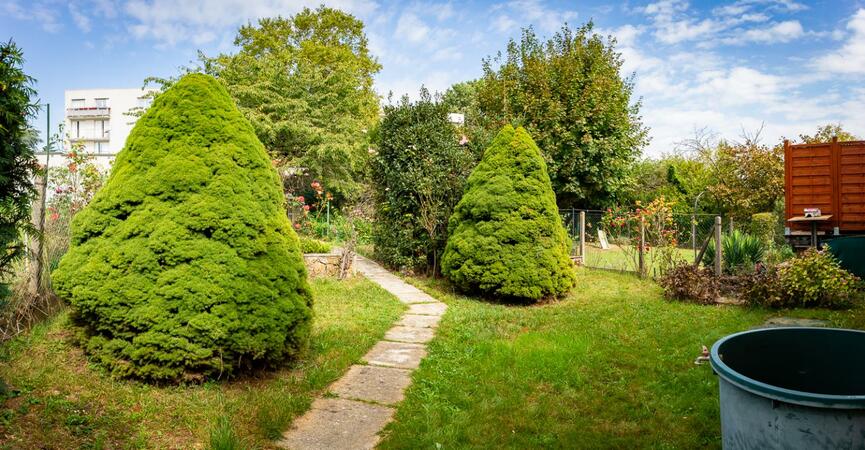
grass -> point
(621, 258)
(60, 400)
(611, 366)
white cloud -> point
(80, 19)
(504, 24)
(850, 58)
(44, 12)
(776, 33)
(170, 22)
(411, 28)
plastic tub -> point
(792, 388)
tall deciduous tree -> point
(418, 174)
(570, 94)
(306, 85)
(17, 161)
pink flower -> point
(297, 226)
(306, 207)
(300, 198)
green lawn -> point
(611, 366)
(624, 258)
(62, 401)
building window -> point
(103, 129)
(76, 125)
(101, 102)
(144, 102)
(99, 147)
(77, 102)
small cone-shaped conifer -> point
(184, 265)
(506, 236)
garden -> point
(169, 302)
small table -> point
(813, 221)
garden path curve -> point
(359, 405)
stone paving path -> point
(363, 401)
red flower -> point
(306, 207)
(55, 216)
(300, 198)
(297, 226)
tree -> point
(826, 133)
(184, 265)
(742, 177)
(506, 235)
(306, 84)
(418, 173)
(17, 161)
(569, 94)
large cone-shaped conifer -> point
(506, 236)
(184, 266)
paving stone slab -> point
(793, 322)
(419, 321)
(416, 297)
(428, 309)
(335, 423)
(410, 334)
(373, 384)
(396, 354)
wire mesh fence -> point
(611, 239)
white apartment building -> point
(98, 120)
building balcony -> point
(104, 138)
(93, 112)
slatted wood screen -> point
(829, 176)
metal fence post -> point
(694, 234)
(718, 245)
(642, 259)
(583, 236)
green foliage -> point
(689, 283)
(506, 235)
(569, 95)
(826, 133)
(310, 245)
(17, 162)
(740, 252)
(763, 227)
(306, 84)
(814, 279)
(184, 266)
(418, 174)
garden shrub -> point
(689, 283)
(310, 245)
(184, 265)
(763, 227)
(418, 173)
(740, 252)
(814, 278)
(506, 236)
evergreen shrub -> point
(184, 265)
(506, 237)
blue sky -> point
(726, 66)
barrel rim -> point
(778, 393)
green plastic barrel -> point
(792, 388)
(850, 252)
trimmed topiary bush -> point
(506, 236)
(184, 266)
